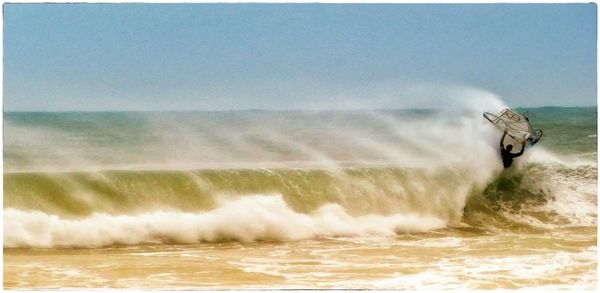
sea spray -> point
(254, 139)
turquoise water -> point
(566, 130)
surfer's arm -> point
(502, 139)
(522, 150)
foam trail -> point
(540, 154)
(249, 218)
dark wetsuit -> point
(507, 156)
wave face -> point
(99, 179)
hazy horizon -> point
(276, 110)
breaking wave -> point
(270, 205)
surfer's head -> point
(509, 147)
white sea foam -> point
(539, 154)
(249, 218)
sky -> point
(148, 57)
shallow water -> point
(453, 259)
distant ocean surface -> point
(389, 199)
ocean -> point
(364, 199)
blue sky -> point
(288, 56)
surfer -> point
(518, 125)
(507, 156)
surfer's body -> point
(507, 156)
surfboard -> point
(518, 127)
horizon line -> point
(269, 110)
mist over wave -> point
(197, 140)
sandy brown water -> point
(448, 259)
